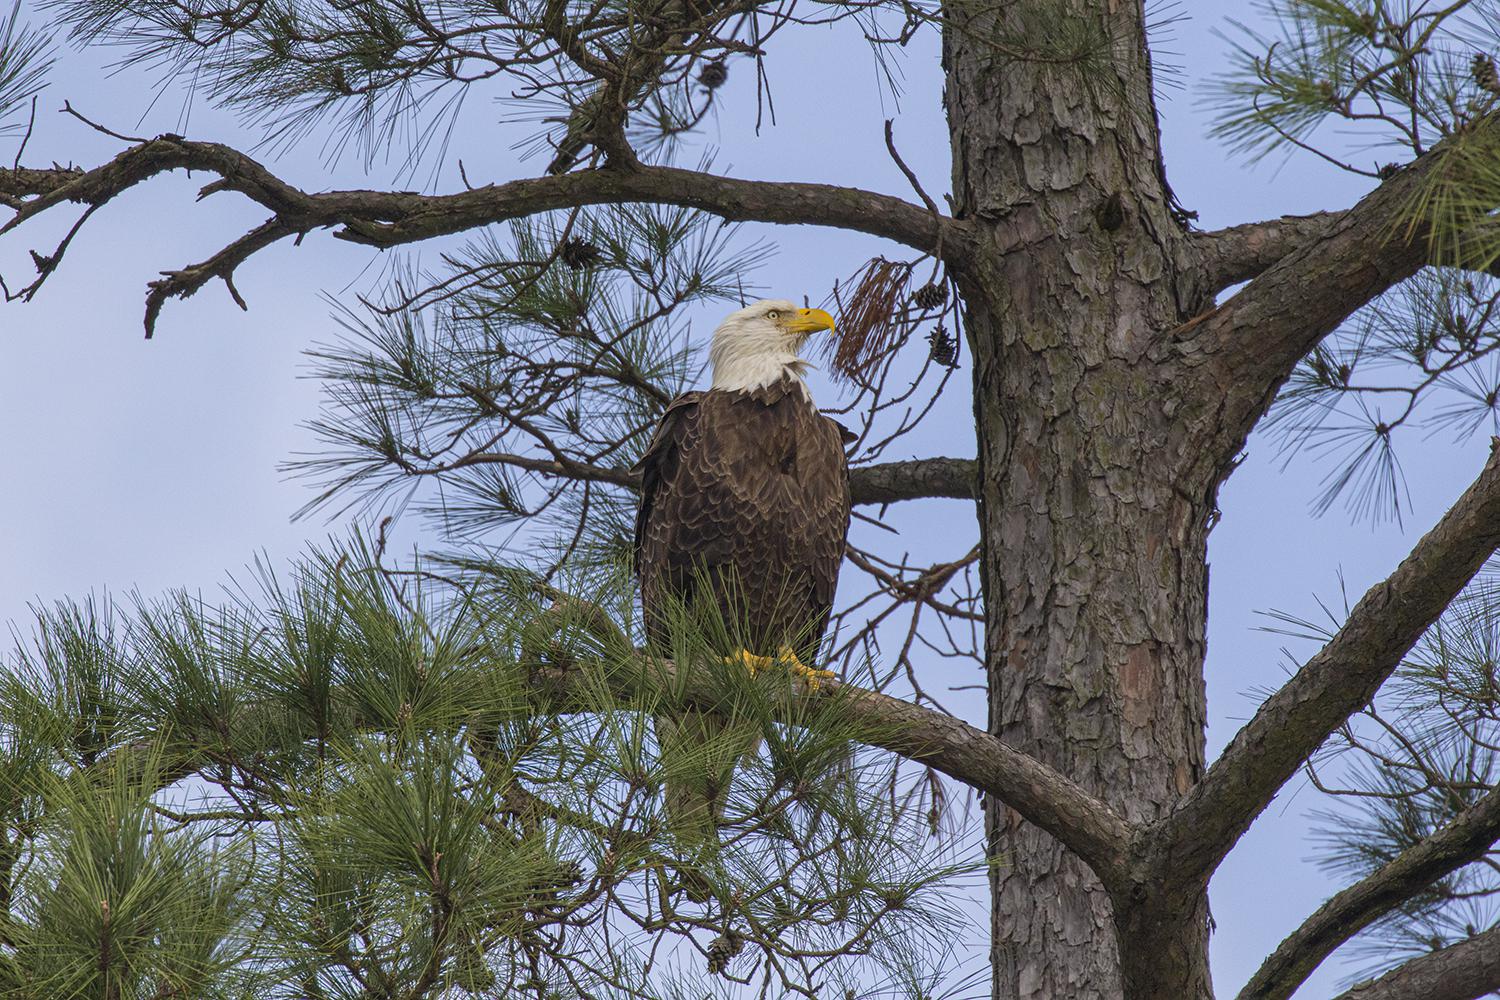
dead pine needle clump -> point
(870, 318)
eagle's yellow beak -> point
(809, 321)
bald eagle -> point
(743, 514)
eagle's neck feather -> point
(747, 371)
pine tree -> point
(373, 777)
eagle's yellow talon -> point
(751, 662)
(785, 658)
(810, 676)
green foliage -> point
(67, 687)
(362, 780)
(1396, 73)
(25, 57)
(1419, 758)
(1451, 207)
(105, 901)
(392, 868)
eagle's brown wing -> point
(744, 509)
(660, 469)
(659, 461)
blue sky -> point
(135, 464)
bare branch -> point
(24, 182)
(183, 283)
(420, 217)
(1344, 675)
(919, 478)
(1462, 971)
(388, 219)
(887, 482)
(1470, 834)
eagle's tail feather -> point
(700, 753)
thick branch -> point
(887, 482)
(1466, 838)
(1242, 351)
(1051, 800)
(392, 218)
(1239, 253)
(1270, 324)
(1462, 971)
(25, 182)
(420, 217)
(1343, 676)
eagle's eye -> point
(773, 314)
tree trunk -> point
(1095, 501)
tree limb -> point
(886, 482)
(183, 283)
(1239, 253)
(1462, 971)
(25, 182)
(1086, 825)
(1243, 350)
(1464, 839)
(1344, 675)
(393, 218)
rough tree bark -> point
(1093, 509)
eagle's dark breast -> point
(744, 511)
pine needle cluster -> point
(1399, 76)
(25, 58)
(360, 782)
(1411, 764)
(1419, 360)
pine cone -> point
(713, 74)
(930, 295)
(1483, 70)
(579, 253)
(942, 348)
(723, 948)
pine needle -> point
(869, 322)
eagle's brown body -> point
(744, 511)
(745, 506)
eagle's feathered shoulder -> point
(661, 450)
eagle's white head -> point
(757, 345)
